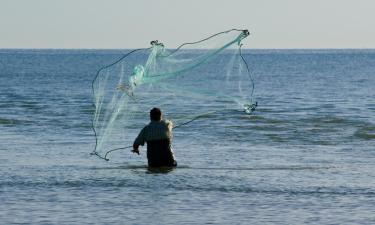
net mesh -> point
(195, 79)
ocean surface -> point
(306, 155)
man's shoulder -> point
(167, 123)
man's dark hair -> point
(155, 114)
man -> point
(158, 135)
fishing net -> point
(193, 80)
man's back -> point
(158, 135)
(155, 130)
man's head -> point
(155, 114)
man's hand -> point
(135, 149)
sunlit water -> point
(305, 156)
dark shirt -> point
(158, 135)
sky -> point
(108, 24)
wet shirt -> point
(155, 130)
(158, 135)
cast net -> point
(186, 83)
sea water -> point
(306, 155)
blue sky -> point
(132, 24)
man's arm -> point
(140, 140)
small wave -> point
(22, 104)
(296, 167)
(181, 186)
(365, 133)
(286, 191)
(276, 138)
(7, 121)
(32, 106)
(6, 105)
(268, 128)
(264, 168)
(13, 122)
(262, 119)
(88, 111)
(327, 120)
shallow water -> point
(305, 156)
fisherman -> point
(158, 135)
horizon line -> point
(362, 48)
